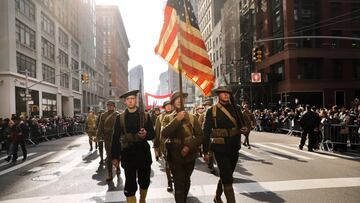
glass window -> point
(356, 69)
(24, 64)
(75, 84)
(63, 38)
(25, 35)
(48, 74)
(74, 48)
(63, 58)
(64, 79)
(309, 68)
(26, 7)
(47, 25)
(47, 49)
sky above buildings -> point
(143, 21)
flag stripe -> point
(204, 60)
(181, 45)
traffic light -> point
(254, 54)
(257, 55)
(84, 78)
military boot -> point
(170, 185)
(143, 193)
(219, 191)
(131, 199)
(229, 193)
(91, 145)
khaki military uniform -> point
(91, 127)
(179, 134)
(104, 134)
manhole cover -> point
(45, 177)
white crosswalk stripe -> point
(250, 155)
(309, 153)
(285, 152)
(269, 154)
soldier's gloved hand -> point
(185, 151)
(180, 116)
(142, 133)
(206, 157)
(115, 163)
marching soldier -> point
(250, 117)
(222, 135)
(90, 128)
(104, 134)
(155, 113)
(207, 105)
(129, 143)
(183, 136)
(159, 143)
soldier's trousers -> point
(312, 139)
(143, 178)
(181, 173)
(226, 163)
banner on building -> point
(155, 100)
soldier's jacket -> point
(126, 143)
(106, 125)
(250, 117)
(202, 120)
(231, 139)
(90, 127)
(158, 141)
(179, 133)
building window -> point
(25, 35)
(75, 67)
(356, 69)
(48, 4)
(309, 68)
(337, 69)
(64, 79)
(47, 25)
(48, 104)
(355, 44)
(48, 74)
(47, 49)
(336, 43)
(63, 59)
(74, 48)
(63, 38)
(25, 63)
(75, 84)
(26, 7)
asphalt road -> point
(273, 170)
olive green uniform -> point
(179, 134)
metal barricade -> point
(335, 134)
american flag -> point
(181, 45)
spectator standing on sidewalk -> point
(309, 122)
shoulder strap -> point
(226, 112)
(213, 111)
(191, 118)
(109, 116)
(122, 121)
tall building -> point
(320, 72)
(135, 75)
(40, 39)
(187, 86)
(93, 97)
(164, 84)
(116, 45)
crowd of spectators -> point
(42, 129)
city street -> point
(274, 170)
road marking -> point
(284, 152)
(250, 155)
(61, 156)
(335, 154)
(201, 190)
(25, 163)
(20, 157)
(269, 154)
(306, 152)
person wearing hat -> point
(183, 135)
(155, 114)
(222, 133)
(90, 128)
(104, 134)
(130, 143)
(159, 143)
